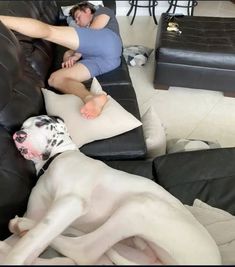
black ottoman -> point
(202, 56)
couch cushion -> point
(119, 76)
(137, 167)
(130, 145)
(208, 175)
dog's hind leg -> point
(60, 215)
(125, 222)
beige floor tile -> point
(141, 32)
(182, 109)
(219, 124)
(215, 8)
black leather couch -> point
(25, 65)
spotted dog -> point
(117, 218)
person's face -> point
(83, 18)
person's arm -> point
(100, 21)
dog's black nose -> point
(20, 136)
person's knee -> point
(55, 80)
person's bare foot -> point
(93, 106)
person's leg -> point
(69, 81)
(68, 37)
(63, 35)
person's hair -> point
(82, 6)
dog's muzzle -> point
(19, 137)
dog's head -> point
(39, 135)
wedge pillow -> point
(154, 133)
(113, 120)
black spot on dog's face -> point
(56, 118)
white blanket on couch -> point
(220, 224)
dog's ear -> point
(46, 120)
(56, 118)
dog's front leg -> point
(22, 224)
(59, 216)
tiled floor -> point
(185, 113)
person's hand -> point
(71, 60)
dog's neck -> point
(65, 146)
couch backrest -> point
(108, 3)
(24, 65)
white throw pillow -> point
(66, 9)
(113, 120)
(154, 134)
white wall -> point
(204, 8)
(124, 6)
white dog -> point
(116, 217)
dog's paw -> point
(20, 225)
